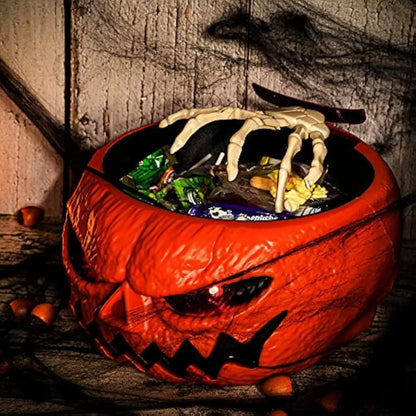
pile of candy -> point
(204, 190)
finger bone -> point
(316, 115)
(186, 114)
(290, 205)
(319, 153)
(293, 147)
(314, 174)
(233, 154)
(280, 190)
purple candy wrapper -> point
(220, 211)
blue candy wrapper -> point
(221, 211)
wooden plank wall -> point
(135, 62)
(32, 45)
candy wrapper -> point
(241, 187)
(296, 190)
(150, 181)
(218, 211)
(204, 190)
(256, 184)
(154, 170)
(194, 190)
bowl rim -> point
(371, 196)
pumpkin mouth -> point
(226, 349)
(213, 300)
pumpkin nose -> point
(218, 298)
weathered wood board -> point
(31, 171)
(137, 61)
(32, 45)
(59, 371)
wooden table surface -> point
(58, 370)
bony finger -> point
(233, 156)
(290, 205)
(235, 146)
(197, 118)
(176, 145)
(190, 128)
(188, 113)
(179, 115)
(170, 119)
(232, 170)
(311, 178)
(281, 187)
(163, 123)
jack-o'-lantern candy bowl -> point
(228, 302)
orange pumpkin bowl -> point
(228, 302)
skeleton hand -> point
(305, 123)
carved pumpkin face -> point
(227, 302)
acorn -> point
(278, 386)
(43, 314)
(21, 308)
(30, 216)
(5, 362)
(277, 412)
(331, 400)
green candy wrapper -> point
(156, 195)
(148, 171)
(194, 190)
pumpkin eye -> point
(218, 298)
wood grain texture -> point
(139, 61)
(29, 104)
(31, 169)
(58, 370)
(31, 39)
(32, 44)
